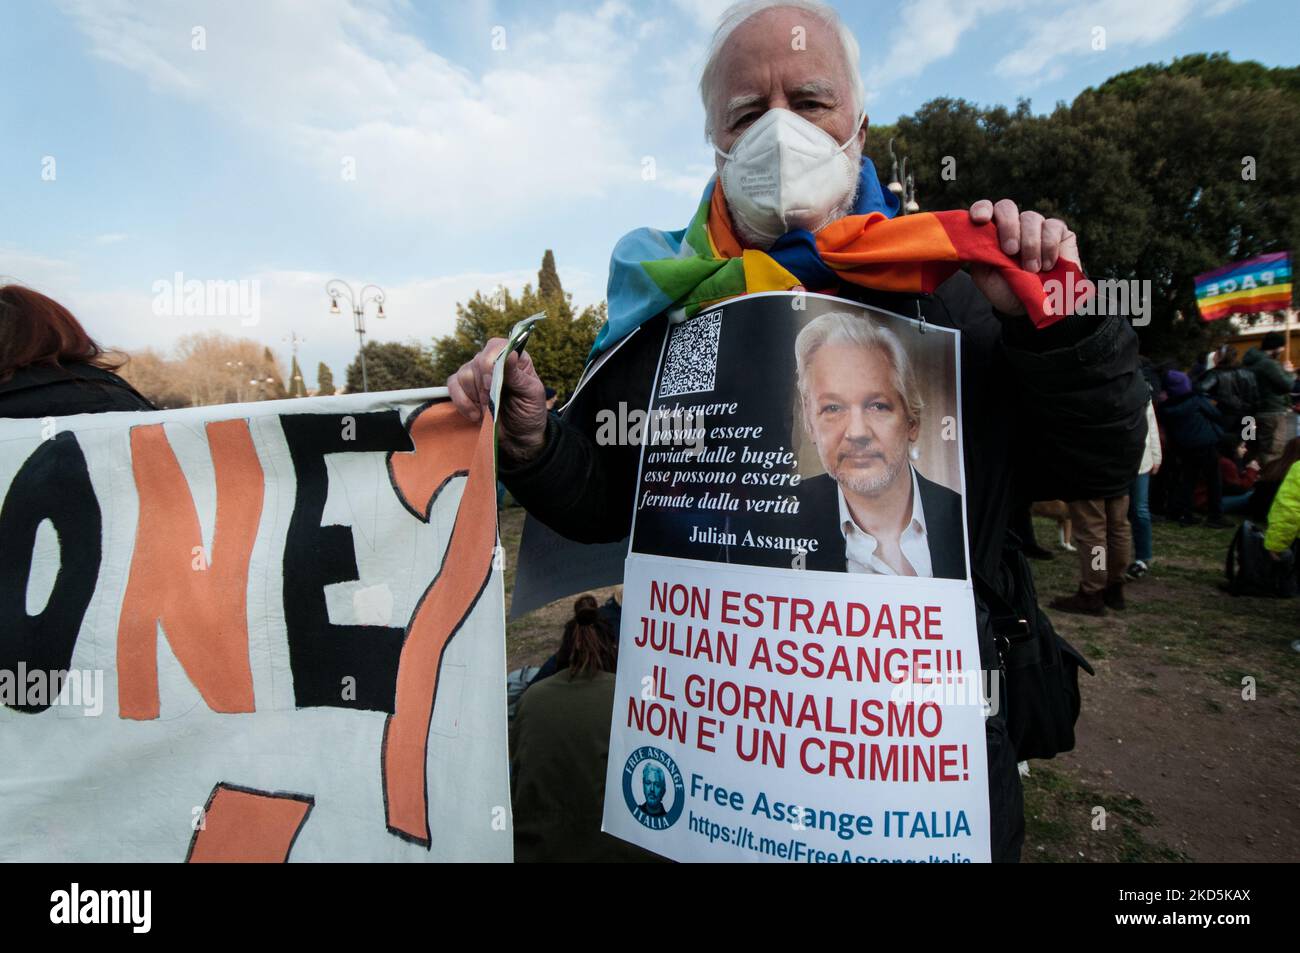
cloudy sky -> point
(439, 148)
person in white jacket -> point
(1139, 512)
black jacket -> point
(64, 391)
(1052, 414)
(1058, 413)
(1192, 422)
(819, 506)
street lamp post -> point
(336, 289)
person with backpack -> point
(1284, 515)
(1274, 378)
(1194, 427)
(1231, 387)
(1262, 556)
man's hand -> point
(521, 425)
(1039, 242)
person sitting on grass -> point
(559, 746)
(1270, 479)
(1236, 475)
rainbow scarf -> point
(685, 271)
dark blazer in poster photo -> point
(819, 510)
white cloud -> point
(41, 272)
(705, 13)
(1071, 30)
(111, 238)
(926, 31)
(288, 302)
(1220, 7)
(342, 86)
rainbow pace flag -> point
(1257, 284)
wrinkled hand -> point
(1039, 242)
(521, 424)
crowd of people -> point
(1221, 441)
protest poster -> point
(255, 632)
(798, 673)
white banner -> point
(268, 631)
(799, 674)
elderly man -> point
(1052, 413)
(871, 510)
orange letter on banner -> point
(203, 608)
(243, 826)
(444, 605)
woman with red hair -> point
(50, 366)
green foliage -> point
(393, 366)
(297, 386)
(274, 383)
(558, 346)
(1147, 169)
(324, 380)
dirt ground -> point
(1187, 745)
(1188, 736)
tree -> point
(274, 379)
(153, 375)
(297, 387)
(324, 380)
(1164, 172)
(393, 366)
(206, 368)
(548, 278)
(559, 345)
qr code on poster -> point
(692, 360)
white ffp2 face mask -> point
(785, 173)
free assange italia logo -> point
(74, 906)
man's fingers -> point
(1031, 241)
(483, 367)
(519, 369)
(981, 212)
(463, 388)
(1054, 234)
(1007, 219)
(1069, 249)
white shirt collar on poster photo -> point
(861, 547)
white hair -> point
(738, 13)
(836, 327)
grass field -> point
(1186, 748)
